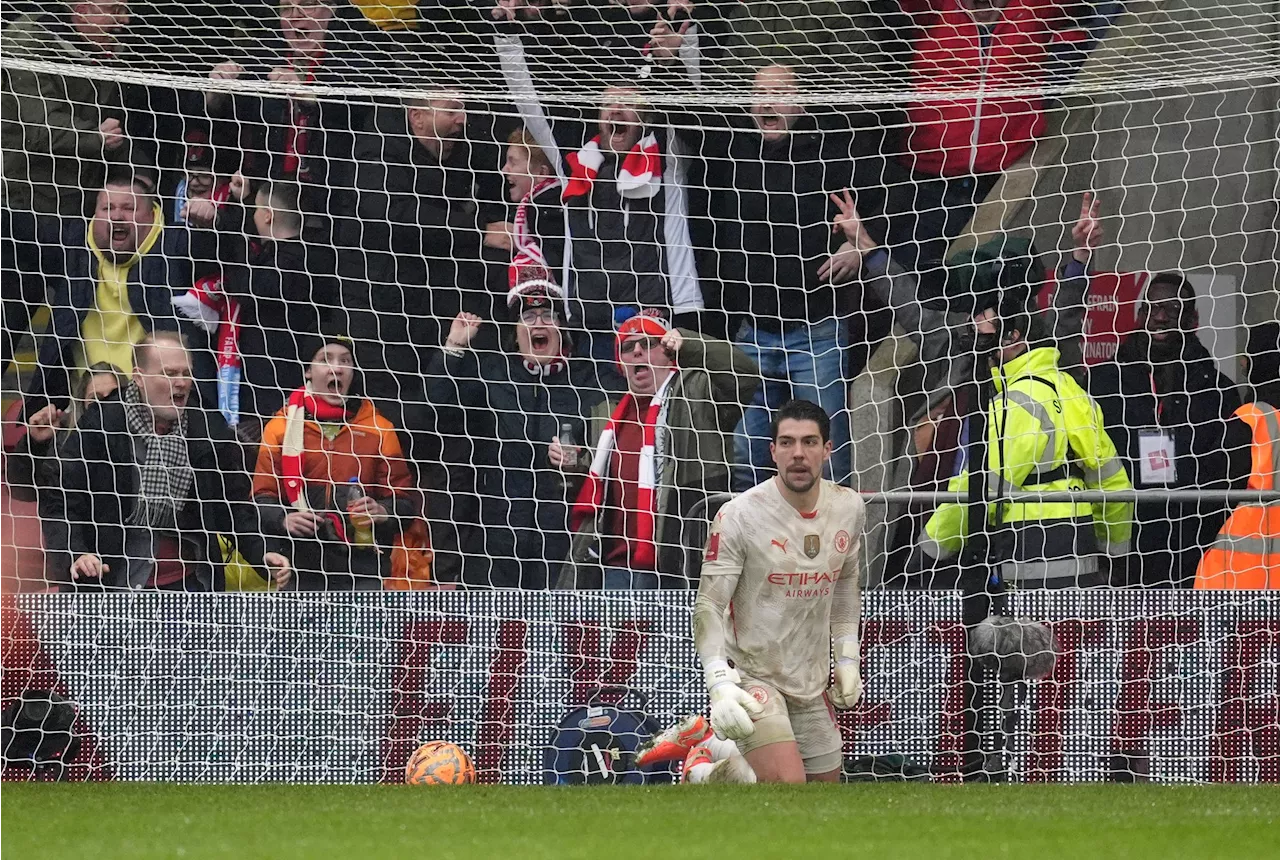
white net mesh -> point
(480, 297)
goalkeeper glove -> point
(847, 689)
(731, 706)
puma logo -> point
(782, 545)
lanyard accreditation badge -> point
(1156, 452)
(1158, 456)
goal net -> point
(484, 310)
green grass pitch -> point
(119, 820)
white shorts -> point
(811, 724)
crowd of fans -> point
(324, 342)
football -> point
(439, 763)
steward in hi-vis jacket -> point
(1044, 434)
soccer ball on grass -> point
(439, 763)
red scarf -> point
(639, 178)
(209, 307)
(297, 136)
(229, 364)
(591, 496)
(527, 250)
(301, 406)
(221, 193)
(551, 368)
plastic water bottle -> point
(569, 445)
(361, 525)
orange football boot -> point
(675, 742)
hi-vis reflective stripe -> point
(1041, 569)
(1259, 546)
(997, 487)
(1047, 458)
(1271, 418)
(1097, 476)
(1038, 412)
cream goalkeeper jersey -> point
(786, 569)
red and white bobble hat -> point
(534, 290)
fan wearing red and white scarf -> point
(303, 405)
(591, 497)
(650, 324)
(639, 175)
(527, 250)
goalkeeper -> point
(779, 591)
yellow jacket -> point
(1045, 433)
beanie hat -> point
(1003, 274)
(199, 154)
(650, 322)
(318, 342)
(534, 290)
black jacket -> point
(33, 473)
(620, 250)
(287, 295)
(770, 223)
(100, 484)
(1193, 402)
(29, 467)
(356, 54)
(511, 417)
(409, 259)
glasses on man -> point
(300, 8)
(645, 344)
(1169, 309)
(546, 316)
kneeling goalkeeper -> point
(779, 591)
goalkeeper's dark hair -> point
(802, 410)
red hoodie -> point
(988, 133)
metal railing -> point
(696, 516)
(1087, 496)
